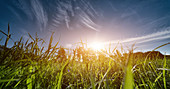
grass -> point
(28, 66)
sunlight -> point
(96, 46)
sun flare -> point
(96, 46)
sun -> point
(96, 46)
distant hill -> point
(168, 56)
(151, 54)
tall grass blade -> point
(17, 84)
(29, 80)
(50, 43)
(7, 80)
(104, 76)
(31, 36)
(129, 82)
(61, 74)
(164, 78)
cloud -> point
(88, 22)
(158, 38)
(147, 38)
(25, 7)
(39, 13)
(72, 13)
(34, 11)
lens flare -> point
(96, 46)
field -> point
(27, 65)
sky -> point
(143, 22)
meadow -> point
(28, 65)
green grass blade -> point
(7, 80)
(164, 78)
(17, 84)
(29, 83)
(61, 74)
(29, 80)
(104, 76)
(157, 79)
(128, 83)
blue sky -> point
(144, 22)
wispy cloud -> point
(89, 13)
(25, 7)
(89, 23)
(73, 13)
(39, 13)
(147, 38)
(34, 10)
(157, 38)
